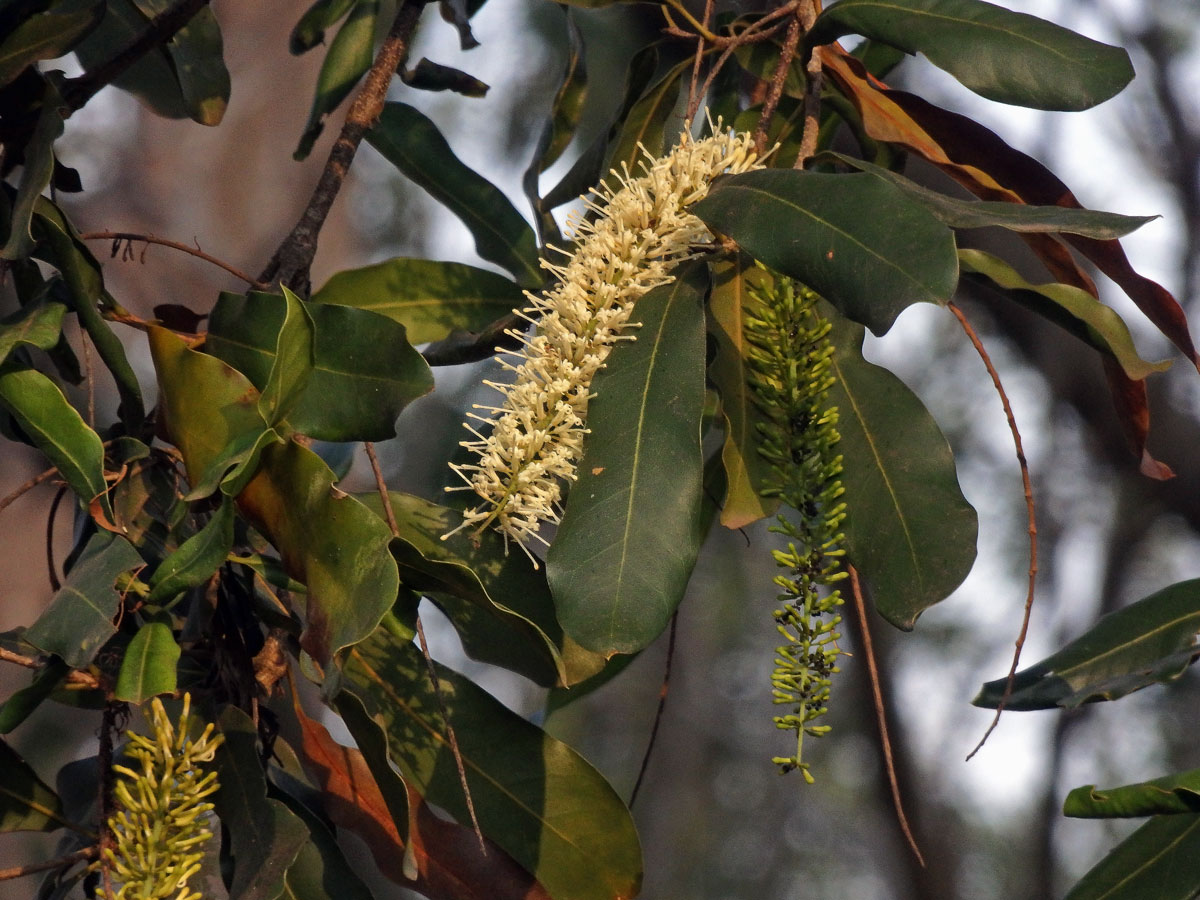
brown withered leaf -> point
(450, 863)
(1129, 396)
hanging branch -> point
(79, 90)
(658, 714)
(1029, 509)
(128, 237)
(291, 263)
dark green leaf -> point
(59, 245)
(1002, 55)
(293, 362)
(329, 541)
(412, 143)
(38, 325)
(57, 430)
(47, 35)
(534, 796)
(431, 76)
(148, 667)
(364, 370)
(909, 532)
(567, 106)
(197, 55)
(21, 704)
(645, 126)
(347, 60)
(859, 242)
(310, 30)
(429, 298)
(211, 412)
(623, 554)
(1072, 308)
(35, 173)
(196, 559)
(265, 836)
(79, 619)
(1149, 641)
(320, 871)
(1019, 217)
(1178, 793)
(746, 469)
(26, 802)
(1156, 862)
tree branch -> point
(292, 261)
(78, 856)
(117, 237)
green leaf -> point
(485, 593)
(431, 76)
(37, 325)
(196, 559)
(1002, 55)
(310, 30)
(21, 704)
(79, 620)
(645, 124)
(35, 173)
(410, 141)
(567, 106)
(59, 245)
(26, 802)
(264, 835)
(534, 796)
(429, 298)
(364, 370)
(320, 871)
(746, 469)
(47, 34)
(148, 667)
(1156, 862)
(293, 362)
(1178, 793)
(859, 242)
(623, 554)
(1152, 640)
(329, 541)
(909, 532)
(197, 55)
(1069, 307)
(56, 429)
(1019, 217)
(211, 413)
(347, 60)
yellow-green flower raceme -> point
(636, 236)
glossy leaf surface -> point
(196, 559)
(910, 532)
(827, 232)
(26, 802)
(1149, 641)
(1156, 862)
(1005, 56)
(148, 666)
(80, 617)
(412, 143)
(34, 326)
(429, 298)
(1179, 793)
(624, 552)
(534, 796)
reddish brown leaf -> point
(451, 865)
(1129, 396)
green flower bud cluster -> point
(789, 361)
(161, 819)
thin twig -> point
(814, 81)
(28, 486)
(69, 859)
(472, 346)
(90, 378)
(860, 613)
(55, 584)
(162, 28)
(786, 56)
(75, 676)
(658, 715)
(694, 97)
(451, 736)
(118, 236)
(1030, 514)
(291, 263)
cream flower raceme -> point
(637, 235)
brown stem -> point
(813, 82)
(27, 487)
(162, 28)
(117, 237)
(1030, 515)
(786, 56)
(473, 346)
(291, 263)
(75, 676)
(693, 95)
(451, 736)
(108, 725)
(78, 856)
(860, 614)
(658, 714)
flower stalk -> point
(636, 234)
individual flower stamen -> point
(640, 231)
